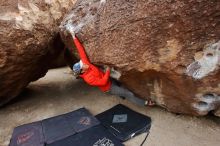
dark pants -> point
(118, 90)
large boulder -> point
(165, 50)
(29, 42)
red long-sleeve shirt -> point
(93, 76)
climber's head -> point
(79, 67)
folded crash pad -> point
(123, 122)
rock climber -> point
(96, 77)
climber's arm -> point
(81, 50)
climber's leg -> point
(127, 94)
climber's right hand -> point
(73, 34)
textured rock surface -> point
(29, 43)
(217, 112)
(166, 50)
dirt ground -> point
(58, 92)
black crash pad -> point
(123, 122)
(62, 126)
(53, 129)
(95, 136)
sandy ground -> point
(58, 92)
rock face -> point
(165, 50)
(217, 112)
(29, 42)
